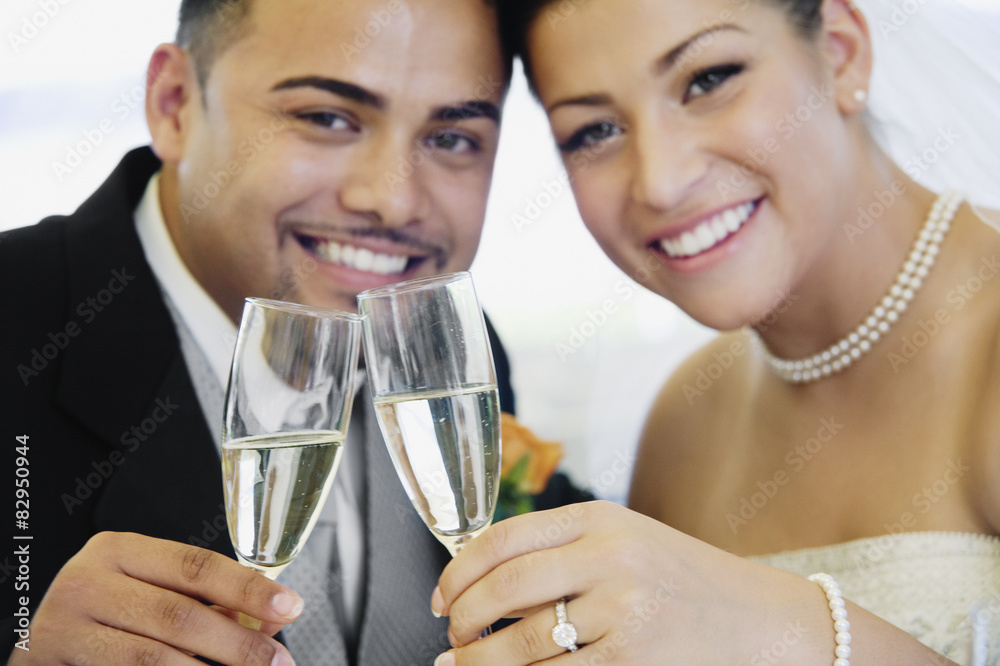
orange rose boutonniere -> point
(527, 464)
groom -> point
(303, 150)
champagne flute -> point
(291, 389)
(430, 370)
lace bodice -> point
(941, 587)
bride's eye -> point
(590, 135)
(707, 80)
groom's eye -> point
(452, 142)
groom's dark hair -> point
(206, 28)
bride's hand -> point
(638, 592)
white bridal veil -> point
(935, 92)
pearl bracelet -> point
(839, 614)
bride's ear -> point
(847, 47)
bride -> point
(833, 494)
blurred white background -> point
(71, 80)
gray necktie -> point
(326, 632)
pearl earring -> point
(860, 96)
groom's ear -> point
(172, 100)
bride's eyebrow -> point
(661, 66)
(666, 62)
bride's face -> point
(706, 134)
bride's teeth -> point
(706, 238)
(709, 233)
(732, 220)
(347, 255)
(689, 245)
(719, 229)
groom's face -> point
(339, 145)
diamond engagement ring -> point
(564, 633)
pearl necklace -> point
(844, 353)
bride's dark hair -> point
(517, 17)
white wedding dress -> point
(943, 588)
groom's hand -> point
(132, 599)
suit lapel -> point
(124, 377)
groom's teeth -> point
(364, 260)
(709, 233)
(361, 259)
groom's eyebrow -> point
(466, 110)
(336, 87)
(583, 100)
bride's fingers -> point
(530, 582)
(507, 540)
(530, 640)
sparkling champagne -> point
(275, 486)
(446, 449)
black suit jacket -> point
(94, 376)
